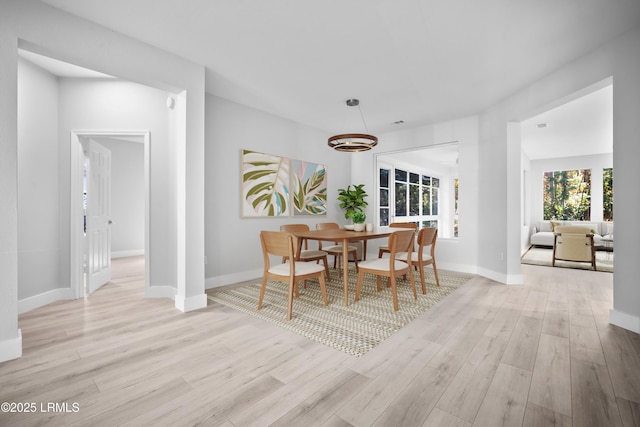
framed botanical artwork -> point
(275, 186)
(265, 185)
(309, 188)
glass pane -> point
(434, 201)
(384, 197)
(426, 200)
(567, 195)
(384, 217)
(401, 175)
(414, 178)
(414, 200)
(384, 178)
(426, 180)
(401, 199)
(607, 196)
(435, 182)
(432, 223)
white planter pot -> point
(358, 227)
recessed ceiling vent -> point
(542, 125)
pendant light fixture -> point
(353, 142)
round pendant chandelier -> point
(353, 142)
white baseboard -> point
(124, 254)
(195, 302)
(229, 279)
(624, 320)
(507, 279)
(40, 300)
(11, 349)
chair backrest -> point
(411, 225)
(278, 243)
(427, 236)
(292, 228)
(327, 226)
(401, 241)
(572, 229)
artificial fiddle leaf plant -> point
(352, 200)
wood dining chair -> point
(384, 248)
(306, 254)
(425, 255)
(336, 248)
(399, 241)
(281, 244)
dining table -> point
(342, 236)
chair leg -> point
(379, 282)
(355, 259)
(359, 285)
(323, 288)
(262, 289)
(290, 303)
(394, 292)
(413, 284)
(424, 287)
(326, 268)
(435, 272)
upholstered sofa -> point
(542, 233)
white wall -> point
(38, 208)
(232, 242)
(594, 162)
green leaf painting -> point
(309, 188)
(265, 184)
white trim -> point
(40, 300)
(624, 320)
(76, 250)
(11, 349)
(195, 302)
(124, 254)
(506, 279)
(229, 279)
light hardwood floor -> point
(541, 354)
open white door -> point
(98, 249)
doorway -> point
(81, 252)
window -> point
(567, 195)
(607, 194)
(419, 186)
(383, 199)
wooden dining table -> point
(343, 236)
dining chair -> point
(399, 241)
(336, 249)
(425, 255)
(281, 244)
(306, 254)
(412, 225)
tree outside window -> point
(567, 195)
(607, 194)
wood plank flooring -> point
(488, 355)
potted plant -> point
(358, 219)
(352, 200)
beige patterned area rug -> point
(544, 256)
(355, 329)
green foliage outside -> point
(607, 194)
(567, 195)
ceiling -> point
(420, 61)
(583, 126)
